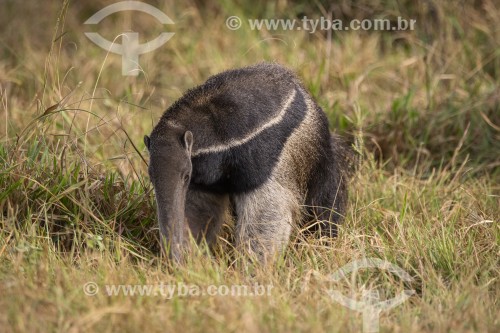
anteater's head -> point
(170, 172)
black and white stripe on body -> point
(259, 138)
(240, 121)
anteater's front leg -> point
(264, 219)
(205, 213)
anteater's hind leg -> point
(328, 187)
(205, 213)
(326, 201)
(264, 219)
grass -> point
(77, 205)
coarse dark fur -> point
(253, 129)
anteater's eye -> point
(186, 178)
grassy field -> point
(77, 205)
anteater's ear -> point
(146, 141)
(188, 141)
